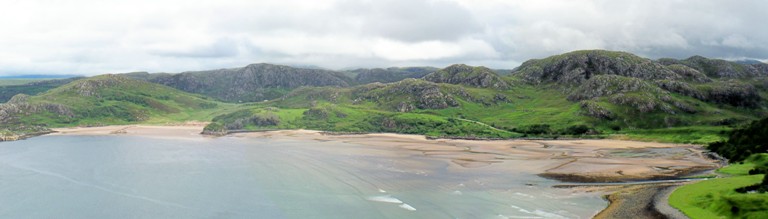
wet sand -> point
(564, 160)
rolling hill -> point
(104, 100)
(582, 93)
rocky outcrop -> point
(460, 74)
(607, 85)
(254, 82)
(18, 106)
(644, 85)
(733, 93)
(215, 129)
(575, 68)
(407, 94)
(689, 74)
(593, 109)
(89, 87)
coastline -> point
(576, 161)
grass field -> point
(684, 135)
(717, 198)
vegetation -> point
(12, 87)
(742, 193)
(106, 100)
(717, 198)
(742, 143)
(592, 94)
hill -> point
(386, 75)
(583, 92)
(590, 93)
(630, 91)
(480, 77)
(103, 100)
(255, 82)
(32, 88)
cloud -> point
(93, 37)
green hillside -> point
(105, 100)
(741, 191)
(11, 87)
(592, 93)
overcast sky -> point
(101, 36)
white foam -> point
(548, 214)
(385, 199)
(521, 209)
(524, 195)
(457, 192)
(382, 191)
(514, 216)
(407, 207)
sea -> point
(119, 176)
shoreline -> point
(565, 160)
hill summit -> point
(461, 74)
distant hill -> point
(719, 68)
(386, 75)
(33, 88)
(256, 82)
(481, 77)
(104, 99)
(748, 61)
(38, 76)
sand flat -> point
(605, 159)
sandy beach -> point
(564, 160)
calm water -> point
(229, 177)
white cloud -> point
(97, 36)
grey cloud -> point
(222, 48)
(412, 21)
(367, 33)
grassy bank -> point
(684, 135)
(717, 198)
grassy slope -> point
(126, 101)
(527, 105)
(716, 198)
(11, 87)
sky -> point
(89, 37)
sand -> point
(565, 160)
(178, 131)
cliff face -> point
(460, 74)
(254, 82)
